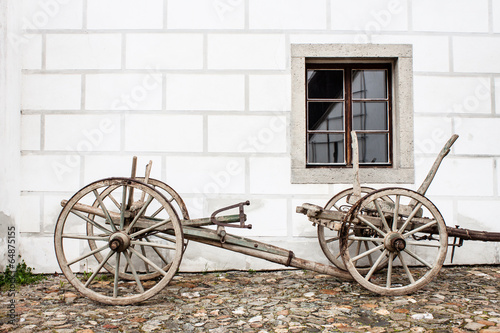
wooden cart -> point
(137, 230)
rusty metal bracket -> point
(242, 214)
(221, 232)
(291, 255)
(455, 245)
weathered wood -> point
(474, 235)
(132, 176)
(117, 246)
(201, 234)
(317, 214)
(396, 243)
(432, 172)
(279, 259)
(95, 211)
(356, 185)
(146, 178)
(146, 222)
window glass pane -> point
(325, 116)
(369, 84)
(368, 116)
(325, 148)
(373, 148)
(325, 84)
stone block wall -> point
(202, 88)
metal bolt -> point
(399, 244)
(115, 244)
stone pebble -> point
(460, 299)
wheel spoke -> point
(112, 198)
(127, 265)
(374, 266)
(94, 223)
(165, 238)
(146, 266)
(98, 238)
(364, 254)
(425, 226)
(154, 245)
(87, 255)
(367, 239)
(396, 213)
(127, 256)
(117, 273)
(410, 217)
(414, 255)
(158, 253)
(141, 211)
(370, 260)
(382, 216)
(422, 243)
(105, 210)
(389, 270)
(407, 270)
(158, 211)
(91, 278)
(333, 239)
(371, 225)
(158, 269)
(349, 243)
(153, 227)
(358, 248)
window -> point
(342, 98)
(337, 88)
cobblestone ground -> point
(460, 299)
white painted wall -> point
(199, 85)
(10, 214)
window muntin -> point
(345, 97)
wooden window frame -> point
(348, 100)
(400, 58)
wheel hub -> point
(119, 242)
(394, 242)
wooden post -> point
(131, 191)
(356, 195)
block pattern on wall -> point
(202, 88)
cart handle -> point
(432, 172)
(243, 216)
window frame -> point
(348, 100)
(399, 57)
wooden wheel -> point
(329, 240)
(144, 272)
(130, 239)
(410, 232)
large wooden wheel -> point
(410, 232)
(133, 240)
(144, 272)
(329, 240)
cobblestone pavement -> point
(460, 299)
